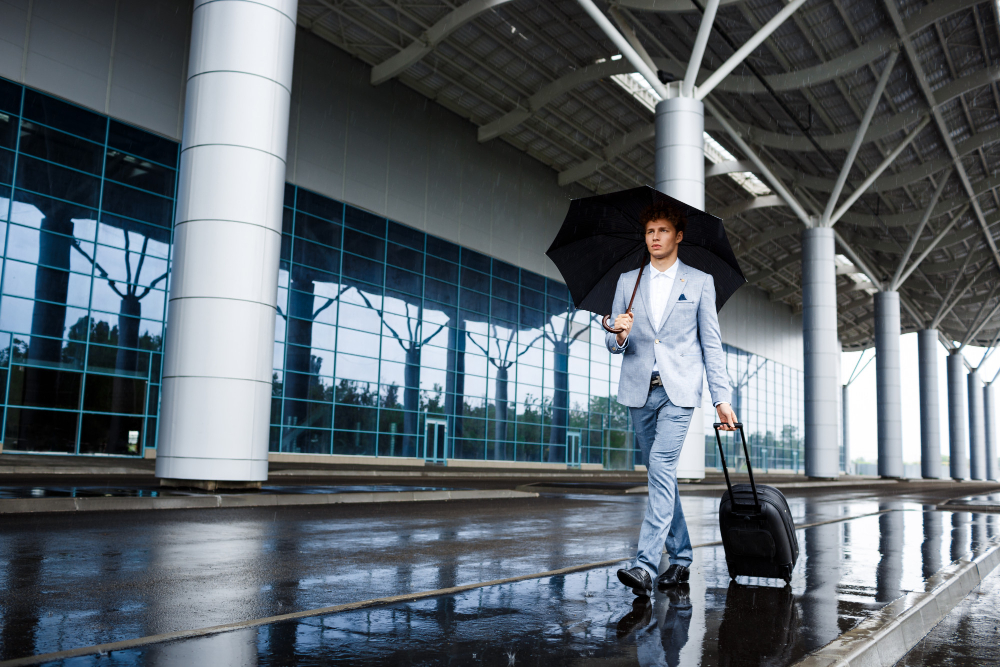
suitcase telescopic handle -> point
(746, 454)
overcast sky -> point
(862, 403)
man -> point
(669, 342)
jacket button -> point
(657, 341)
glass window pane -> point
(443, 249)
(50, 179)
(143, 144)
(405, 258)
(318, 230)
(65, 149)
(44, 387)
(64, 116)
(364, 221)
(10, 96)
(318, 205)
(364, 245)
(40, 431)
(137, 204)
(139, 173)
(407, 236)
(116, 435)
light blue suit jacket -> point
(685, 346)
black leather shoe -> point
(637, 579)
(640, 616)
(674, 576)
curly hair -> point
(662, 210)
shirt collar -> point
(669, 273)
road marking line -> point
(350, 606)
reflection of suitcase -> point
(772, 614)
(757, 529)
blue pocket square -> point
(682, 298)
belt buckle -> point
(655, 381)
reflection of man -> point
(669, 343)
(659, 640)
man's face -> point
(662, 238)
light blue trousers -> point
(660, 429)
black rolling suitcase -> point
(758, 533)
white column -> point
(220, 334)
(821, 352)
(680, 149)
(990, 422)
(977, 430)
(888, 384)
(957, 417)
(680, 173)
(930, 416)
(846, 422)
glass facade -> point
(767, 398)
(388, 341)
(86, 206)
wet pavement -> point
(67, 582)
(967, 637)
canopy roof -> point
(540, 75)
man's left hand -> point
(726, 417)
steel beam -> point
(896, 282)
(768, 175)
(889, 159)
(698, 52)
(626, 49)
(852, 153)
(734, 60)
(914, 58)
(927, 251)
(431, 37)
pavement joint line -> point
(349, 606)
(882, 639)
(209, 501)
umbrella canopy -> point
(601, 238)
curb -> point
(104, 503)
(884, 638)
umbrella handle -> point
(604, 322)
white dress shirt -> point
(660, 284)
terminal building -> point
(236, 232)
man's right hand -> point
(623, 322)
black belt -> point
(655, 381)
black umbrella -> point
(601, 238)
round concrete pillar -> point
(821, 352)
(930, 415)
(680, 149)
(958, 446)
(977, 429)
(845, 424)
(990, 424)
(680, 173)
(216, 398)
(888, 385)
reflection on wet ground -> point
(967, 637)
(990, 501)
(846, 570)
(17, 492)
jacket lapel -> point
(675, 292)
(644, 295)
